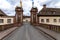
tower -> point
(19, 14)
(33, 12)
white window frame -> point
(8, 20)
(2, 21)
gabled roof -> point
(2, 13)
(50, 12)
(26, 16)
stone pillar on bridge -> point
(33, 12)
(19, 15)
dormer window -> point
(54, 12)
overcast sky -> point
(8, 6)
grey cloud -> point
(13, 2)
(26, 6)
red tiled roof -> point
(50, 12)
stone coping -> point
(5, 33)
(52, 33)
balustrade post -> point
(2, 28)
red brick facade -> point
(19, 15)
(34, 16)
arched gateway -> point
(19, 15)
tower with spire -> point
(33, 12)
(19, 14)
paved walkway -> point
(6, 32)
(50, 32)
(26, 32)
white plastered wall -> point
(24, 20)
(5, 20)
(50, 20)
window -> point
(47, 20)
(55, 20)
(59, 20)
(42, 20)
(1, 20)
(9, 21)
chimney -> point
(44, 6)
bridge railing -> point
(7, 26)
(50, 27)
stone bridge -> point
(27, 32)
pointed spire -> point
(32, 3)
(20, 3)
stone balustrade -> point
(50, 27)
(7, 26)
